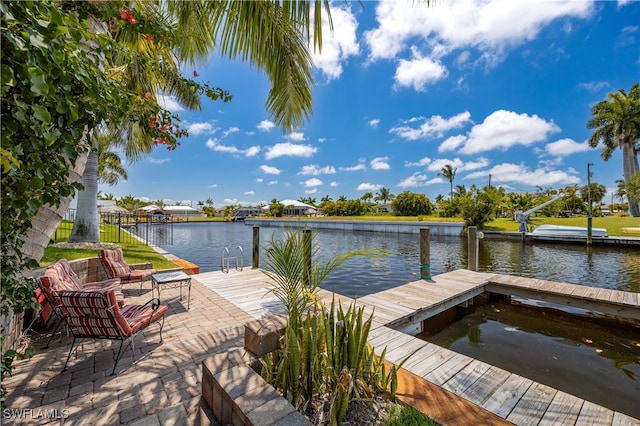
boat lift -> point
(522, 217)
(238, 259)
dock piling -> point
(255, 263)
(425, 254)
(473, 248)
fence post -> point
(425, 254)
(256, 248)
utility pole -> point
(589, 215)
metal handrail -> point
(225, 250)
(241, 262)
(226, 256)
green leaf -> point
(7, 78)
(41, 113)
(38, 84)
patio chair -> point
(59, 276)
(96, 315)
(116, 267)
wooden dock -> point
(399, 312)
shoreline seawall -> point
(451, 229)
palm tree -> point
(384, 195)
(102, 165)
(449, 173)
(617, 125)
(266, 34)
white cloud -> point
(215, 145)
(337, 45)
(333, 184)
(360, 166)
(322, 140)
(418, 72)
(374, 123)
(487, 26)
(200, 128)
(415, 180)
(504, 129)
(259, 180)
(266, 125)
(311, 191)
(249, 193)
(252, 151)
(159, 160)
(290, 149)
(594, 86)
(564, 147)
(229, 131)
(169, 103)
(316, 170)
(310, 183)
(296, 136)
(270, 170)
(522, 175)
(380, 163)
(213, 185)
(436, 126)
(273, 182)
(368, 187)
(231, 201)
(456, 163)
(452, 143)
(420, 163)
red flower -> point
(148, 95)
(195, 73)
(127, 15)
(148, 38)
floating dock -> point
(399, 313)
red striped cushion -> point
(92, 313)
(114, 263)
(97, 313)
(110, 284)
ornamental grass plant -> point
(324, 360)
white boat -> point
(570, 231)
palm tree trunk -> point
(630, 168)
(45, 222)
(86, 227)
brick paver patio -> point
(162, 386)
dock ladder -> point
(238, 259)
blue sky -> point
(495, 88)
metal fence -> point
(130, 228)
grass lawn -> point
(133, 253)
(613, 224)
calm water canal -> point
(614, 268)
(598, 362)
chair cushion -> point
(110, 284)
(115, 264)
(93, 313)
(59, 276)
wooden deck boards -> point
(510, 396)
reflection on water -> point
(615, 268)
(597, 361)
